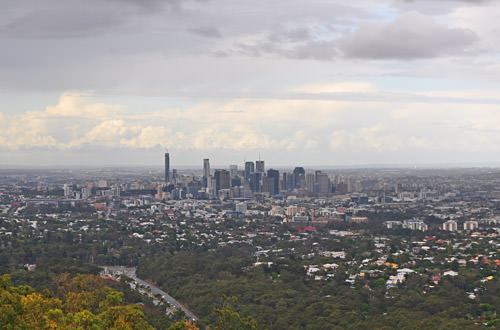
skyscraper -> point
(255, 180)
(174, 176)
(206, 171)
(249, 170)
(298, 177)
(273, 181)
(310, 178)
(233, 170)
(324, 186)
(259, 166)
(211, 187)
(285, 183)
(167, 167)
(222, 179)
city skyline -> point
(315, 83)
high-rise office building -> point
(267, 185)
(323, 184)
(206, 171)
(174, 176)
(284, 181)
(259, 166)
(236, 181)
(299, 177)
(211, 187)
(222, 179)
(310, 182)
(255, 181)
(167, 167)
(273, 181)
(249, 170)
(233, 170)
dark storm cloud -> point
(409, 36)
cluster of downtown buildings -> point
(416, 199)
(252, 181)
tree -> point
(84, 302)
(227, 319)
(183, 325)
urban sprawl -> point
(371, 227)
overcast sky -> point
(302, 82)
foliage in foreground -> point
(82, 302)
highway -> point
(130, 272)
(171, 301)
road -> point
(130, 272)
(171, 301)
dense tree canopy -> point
(82, 302)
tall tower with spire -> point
(259, 166)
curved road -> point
(130, 272)
(172, 302)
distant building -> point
(86, 192)
(471, 225)
(116, 190)
(211, 187)
(357, 187)
(450, 225)
(415, 224)
(233, 171)
(291, 210)
(298, 177)
(323, 182)
(284, 182)
(267, 184)
(159, 192)
(310, 183)
(174, 176)
(167, 167)
(249, 170)
(301, 218)
(273, 180)
(206, 171)
(68, 192)
(358, 219)
(341, 188)
(393, 224)
(450, 273)
(255, 181)
(240, 207)
(222, 179)
(259, 166)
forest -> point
(281, 297)
(81, 302)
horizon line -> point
(437, 165)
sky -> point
(298, 82)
